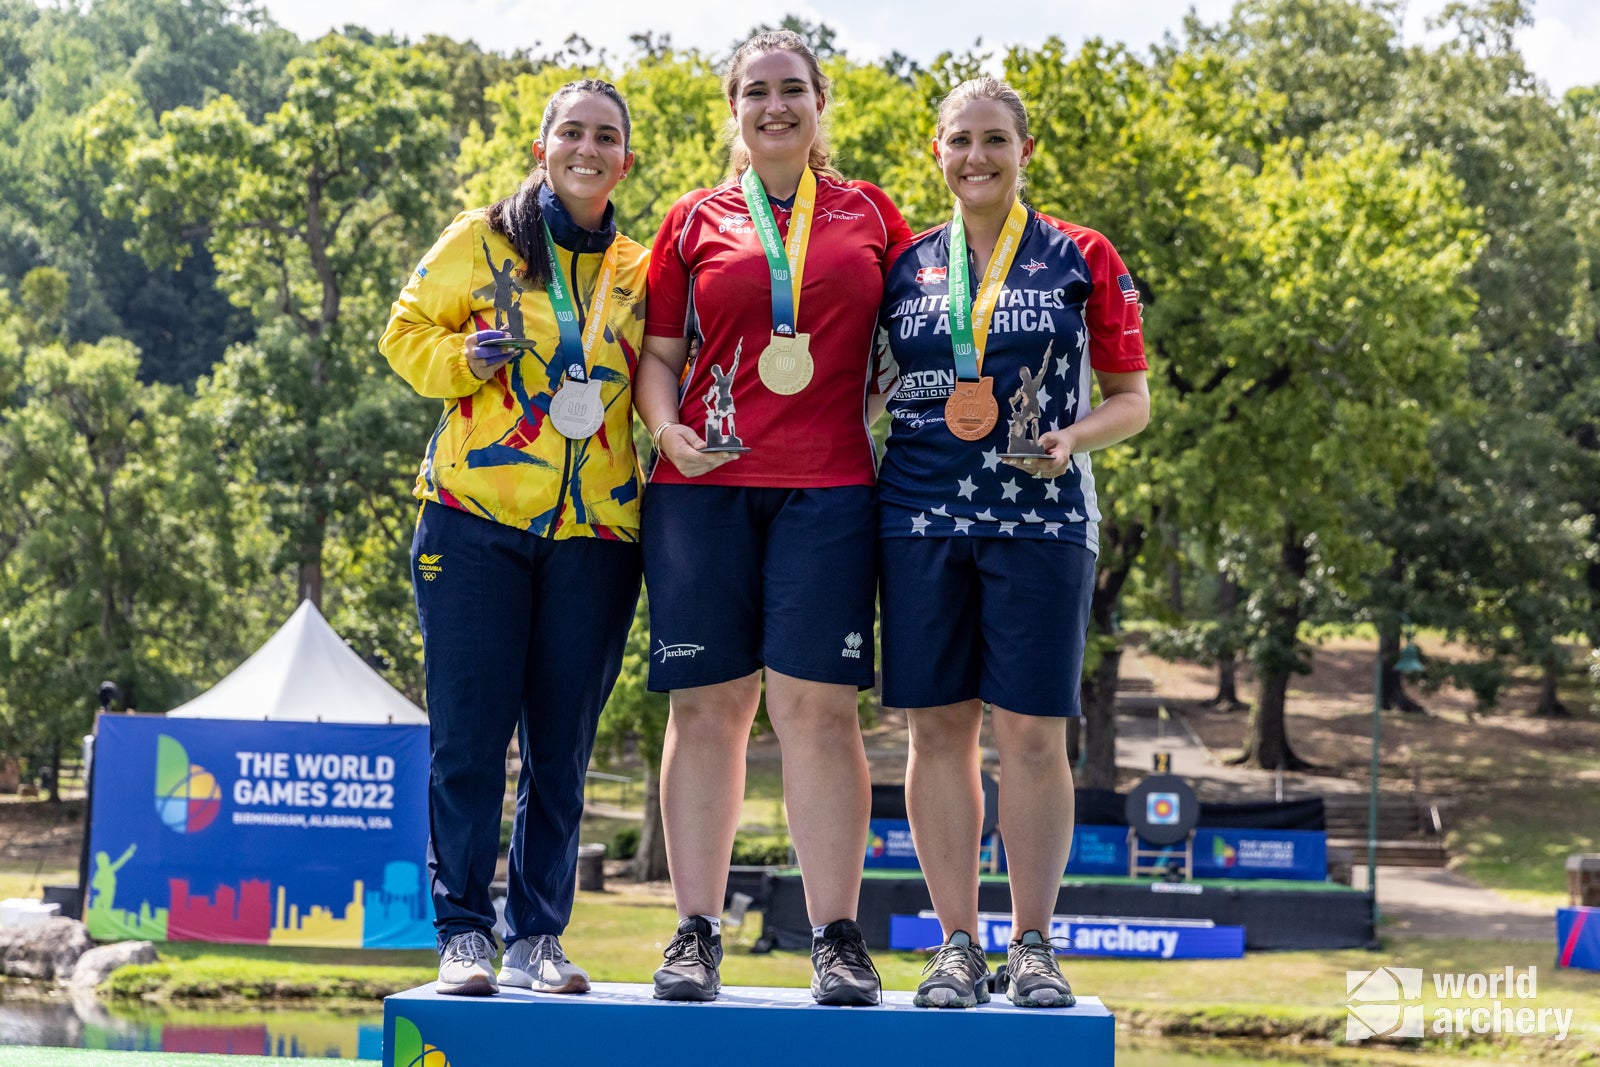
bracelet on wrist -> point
(656, 437)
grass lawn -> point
(1518, 841)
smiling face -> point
(585, 153)
(981, 153)
(777, 107)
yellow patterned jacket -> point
(494, 452)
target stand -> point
(617, 1023)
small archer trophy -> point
(718, 400)
(1022, 437)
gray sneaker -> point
(1033, 978)
(466, 966)
(958, 976)
(537, 963)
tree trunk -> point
(1394, 688)
(1169, 534)
(1119, 547)
(1550, 692)
(1100, 722)
(1268, 744)
(1227, 697)
(650, 861)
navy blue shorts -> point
(741, 578)
(976, 617)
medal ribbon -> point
(573, 350)
(969, 320)
(786, 260)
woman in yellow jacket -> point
(525, 318)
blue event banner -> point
(1296, 855)
(1087, 935)
(268, 833)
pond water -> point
(63, 1022)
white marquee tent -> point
(304, 673)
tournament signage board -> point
(1079, 935)
(1300, 855)
(265, 833)
(889, 846)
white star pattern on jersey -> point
(965, 488)
(1044, 399)
(941, 511)
(1053, 529)
(920, 524)
(1009, 528)
(1052, 491)
(1073, 516)
(1008, 490)
(1032, 516)
(991, 459)
(962, 524)
(985, 515)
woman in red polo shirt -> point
(760, 512)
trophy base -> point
(1041, 454)
(722, 448)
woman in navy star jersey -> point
(987, 553)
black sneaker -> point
(1032, 977)
(958, 976)
(692, 958)
(842, 972)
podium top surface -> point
(735, 998)
(779, 1027)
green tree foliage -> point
(1360, 410)
(119, 543)
(313, 216)
(58, 62)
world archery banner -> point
(259, 833)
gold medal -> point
(971, 411)
(786, 366)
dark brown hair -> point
(519, 218)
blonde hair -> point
(984, 88)
(759, 45)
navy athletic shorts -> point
(977, 617)
(741, 578)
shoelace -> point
(468, 947)
(1034, 960)
(689, 946)
(954, 959)
(545, 947)
(848, 951)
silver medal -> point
(576, 411)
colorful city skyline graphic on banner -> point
(260, 833)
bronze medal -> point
(786, 366)
(971, 411)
